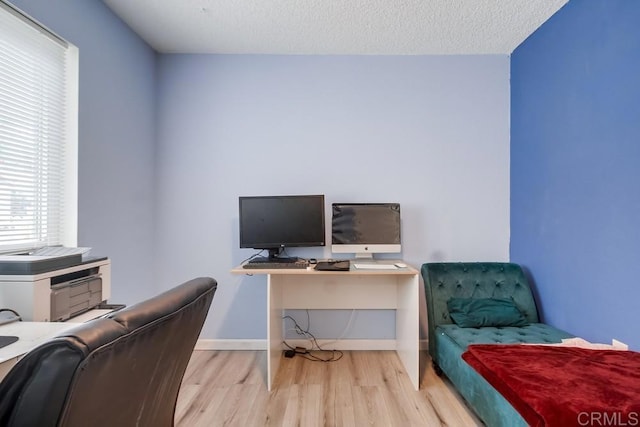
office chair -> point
(121, 370)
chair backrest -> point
(122, 370)
(446, 280)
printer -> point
(53, 288)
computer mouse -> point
(400, 264)
(313, 261)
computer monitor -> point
(278, 222)
(365, 229)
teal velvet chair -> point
(447, 341)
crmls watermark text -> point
(608, 419)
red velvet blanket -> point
(563, 386)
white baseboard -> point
(233, 344)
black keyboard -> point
(274, 265)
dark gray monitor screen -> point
(365, 223)
(281, 221)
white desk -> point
(355, 289)
(30, 335)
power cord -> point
(9, 318)
(346, 328)
(309, 354)
(11, 311)
(252, 257)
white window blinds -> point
(38, 135)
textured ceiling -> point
(368, 27)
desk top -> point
(408, 270)
(30, 335)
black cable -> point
(12, 311)
(299, 258)
(309, 355)
(314, 358)
(308, 322)
(252, 257)
(333, 358)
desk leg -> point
(407, 327)
(274, 327)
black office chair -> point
(122, 370)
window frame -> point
(69, 213)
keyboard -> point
(277, 265)
(365, 266)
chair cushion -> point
(486, 402)
(443, 281)
(478, 312)
(538, 333)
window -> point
(38, 135)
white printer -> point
(54, 288)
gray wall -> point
(429, 132)
(163, 159)
(116, 139)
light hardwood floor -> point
(363, 388)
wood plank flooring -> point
(363, 388)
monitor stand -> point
(274, 256)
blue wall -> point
(575, 167)
(116, 138)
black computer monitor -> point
(278, 222)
